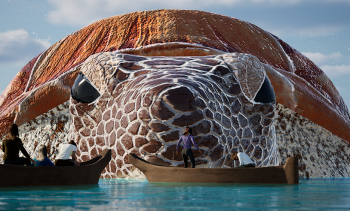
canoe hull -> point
(287, 174)
(87, 174)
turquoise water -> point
(122, 194)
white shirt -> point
(244, 159)
(65, 151)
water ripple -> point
(123, 194)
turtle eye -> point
(266, 93)
(83, 91)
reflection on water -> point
(313, 194)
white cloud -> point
(336, 71)
(320, 59)
(278, 2)
(84, 12)
(307, 31)
(324, 61)
(346, 1)
(17, 48)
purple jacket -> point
(188, 141)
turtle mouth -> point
(173, 49)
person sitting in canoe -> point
(11, 145)
(66, 150)
(42, 159)
(244, 159)
(188, 140)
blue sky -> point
(320, 29)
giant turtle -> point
(149, 74)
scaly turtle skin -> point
(144, 103)
(299, 84)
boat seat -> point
(246, 165)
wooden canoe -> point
(87, 173)
(287, 173)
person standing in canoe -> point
(188, 140)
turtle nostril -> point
(266, 93)
(180, 98)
